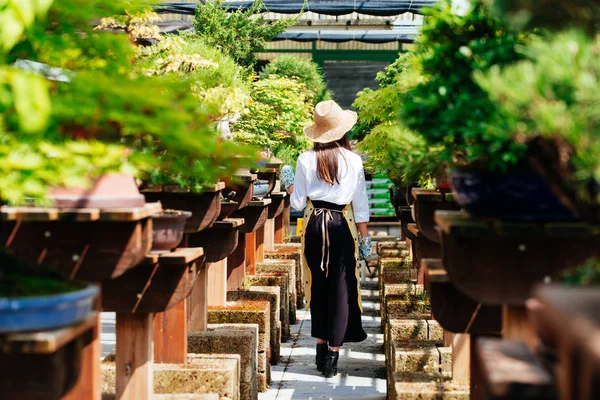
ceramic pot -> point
(261, 188)
(227, 207)
(42, 313)
(168, 229)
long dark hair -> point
(327, 159)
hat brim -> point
(315, 134)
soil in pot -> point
(516, 195)
(168, 229)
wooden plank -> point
(510, 370)
(130, 214)
(260, 246)
(570, 229)
(434, 270)
(279, 233)
(428, 195)
(45, 342)
(516, 325)
(269, 237)
(286, 217)
(415, 230)
(181, 256)
(251, 244)
(244, 177)
(265, 170)
(259, 203)
(461, 357)
(134, 356)
(517, 229)
(170, 335)
(460, 223)
(217, 290)
(278, 195)
(28, 213)
(228, 223)
(198, 303)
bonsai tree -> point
(302, 70)
(551, 103)
(106, 118)
(239, 34)
(275, 118)
(448, 107)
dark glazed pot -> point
(227, 207)
(167, 229)
(519, 195)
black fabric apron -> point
(331, 258)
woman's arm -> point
(362, 229)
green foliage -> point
(275, 118)
(551, 14)
(380, 106)
(107, 118)
(554, 95)
(448, 107)
(302, 70)
(239, 33)
(584, 275)
(401, 153)
(218, 81)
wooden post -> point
(461, 355)
(448, 336)
(516, 325)
(198, 302)
(260, 244)
(217, 276)
(88, 382)
(236, 264)
(280, 228)
(476, 381)
(170, 335)
(269, 235)
(285, 215)
(251, 252)
(134, 356)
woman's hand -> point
(365, 247)
(287, 176)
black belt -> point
(325, 208)
(328, 205)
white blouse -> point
(352, 186)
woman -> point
(330, 185)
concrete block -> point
(446, 361)
(400, 308)
(263, 384)
(229, 339)
(261, 293)
(276, 344)
(407, 330)
(390, 244)
(249, 390)
(288, 267)
(279, 280)
(420, 358)
(407, 386)
(435, 331)
(292, 251)
(201, 375)
(392, 253)
(212, 396)
(242, 312)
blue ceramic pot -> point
(21, 314)
(519, 195)
(261, 188)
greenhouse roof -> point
(328, 7)
(372, 36)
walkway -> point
(361, 372)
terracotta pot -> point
(108, 191)
(167, 229)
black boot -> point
(321, 354)
(330, 368)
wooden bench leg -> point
(134, 356)
(88, 383)
(198, 303)
(170, 335)
(217, 276)
(260, 244)
(461, 355)
(516, 325)
(280, 228)
(251, 256)
(269, 238)
(236, 264)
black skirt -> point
(334, 305)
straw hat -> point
(331, 122)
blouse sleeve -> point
(360, 201)
(298, 197)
